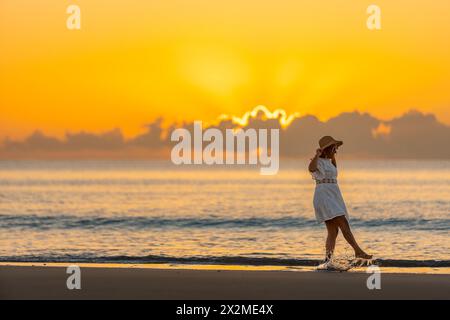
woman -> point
(328, 203)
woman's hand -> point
(319, 152)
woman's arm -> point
(313, 164)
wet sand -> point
(37, 282)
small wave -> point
(140, 222)
(133, 222)
(213, 260)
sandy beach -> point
(37, 282)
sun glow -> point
(280, 114)
(135, 61)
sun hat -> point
(327, 141)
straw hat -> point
(327, 141)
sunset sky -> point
(135, 60)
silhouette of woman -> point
(328, 203)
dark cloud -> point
(36, 141)
(111, 140)
(153, 138)
(413, 135)
(418, 135)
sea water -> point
(148, 211)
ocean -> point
(155, 212)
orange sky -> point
(135, 60)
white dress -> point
(328, 201)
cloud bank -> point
(414, 135)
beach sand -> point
(49, 282)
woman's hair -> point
(327, 150)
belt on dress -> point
(326, 181)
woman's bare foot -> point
(363, 255)
(328, 257)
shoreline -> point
(223, 267)
(33, 281)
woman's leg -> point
(343, 224)
(333, 231)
